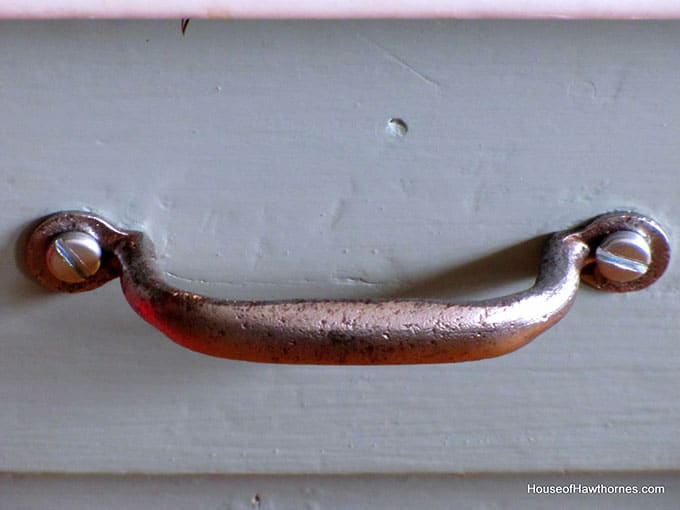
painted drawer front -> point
(260, 158)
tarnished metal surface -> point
(349, 332)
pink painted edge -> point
(317, 9)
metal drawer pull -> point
(619, 252)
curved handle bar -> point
(344, 331)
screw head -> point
(623, 256)
(73, 257)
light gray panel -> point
(256, 156)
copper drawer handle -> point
(352, 332)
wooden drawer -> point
(256, 156)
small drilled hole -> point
(396, 128)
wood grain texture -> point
(256, 157)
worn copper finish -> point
(349, 332)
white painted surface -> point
(256, 157)
(340, 9)
(20, 492)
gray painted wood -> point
(255, 155)
(327, 493)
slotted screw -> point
(73, 257)
(623, 256)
